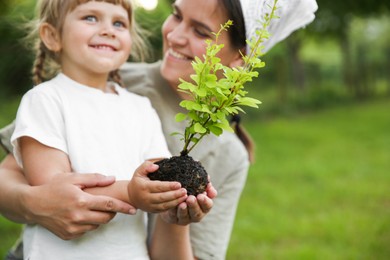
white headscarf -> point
(294, 14)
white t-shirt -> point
(103, 133)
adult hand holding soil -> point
(194, 209)
(70, 212)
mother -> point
(68, 212)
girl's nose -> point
(178, 35)
(107, 30)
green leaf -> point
(216, 130)
(221, 115)
(226, 127)
(190, 105)
(176, 133)
(250, 102)
(201, 92)
(199, 128)
(206, 109)
(195, 140)
(193, 115)
(180, 117)
(187, 86)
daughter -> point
(79, 121)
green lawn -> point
(319, 188)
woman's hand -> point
(60, 205)
(194, 209)
(66, 210)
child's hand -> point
(153, 196)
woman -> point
(225, 157)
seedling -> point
(214, 97)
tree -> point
(334, 19)
(151, 22)
(16, 60)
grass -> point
(319, 188)
(9, 233)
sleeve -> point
(40, 117)
(5, 137)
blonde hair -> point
(53, 12)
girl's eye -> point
(119, 24)
(90, 18)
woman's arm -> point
(13, 190)
(170, 242)
(60, 205)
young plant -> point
(216, 92)
(213, 98)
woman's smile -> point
(178, 55)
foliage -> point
(333, 16)
(151, 21)
(213, 98)
(16, 59)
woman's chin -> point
(174, 72)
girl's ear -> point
(50, 37)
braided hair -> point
(38, 67)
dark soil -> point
(190, 173)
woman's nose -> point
(178, 35)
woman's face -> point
(184, 34)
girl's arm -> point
(41, 163)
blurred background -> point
(320, 186)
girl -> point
(78, 121)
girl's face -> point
(184, 34)
(95, 40)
